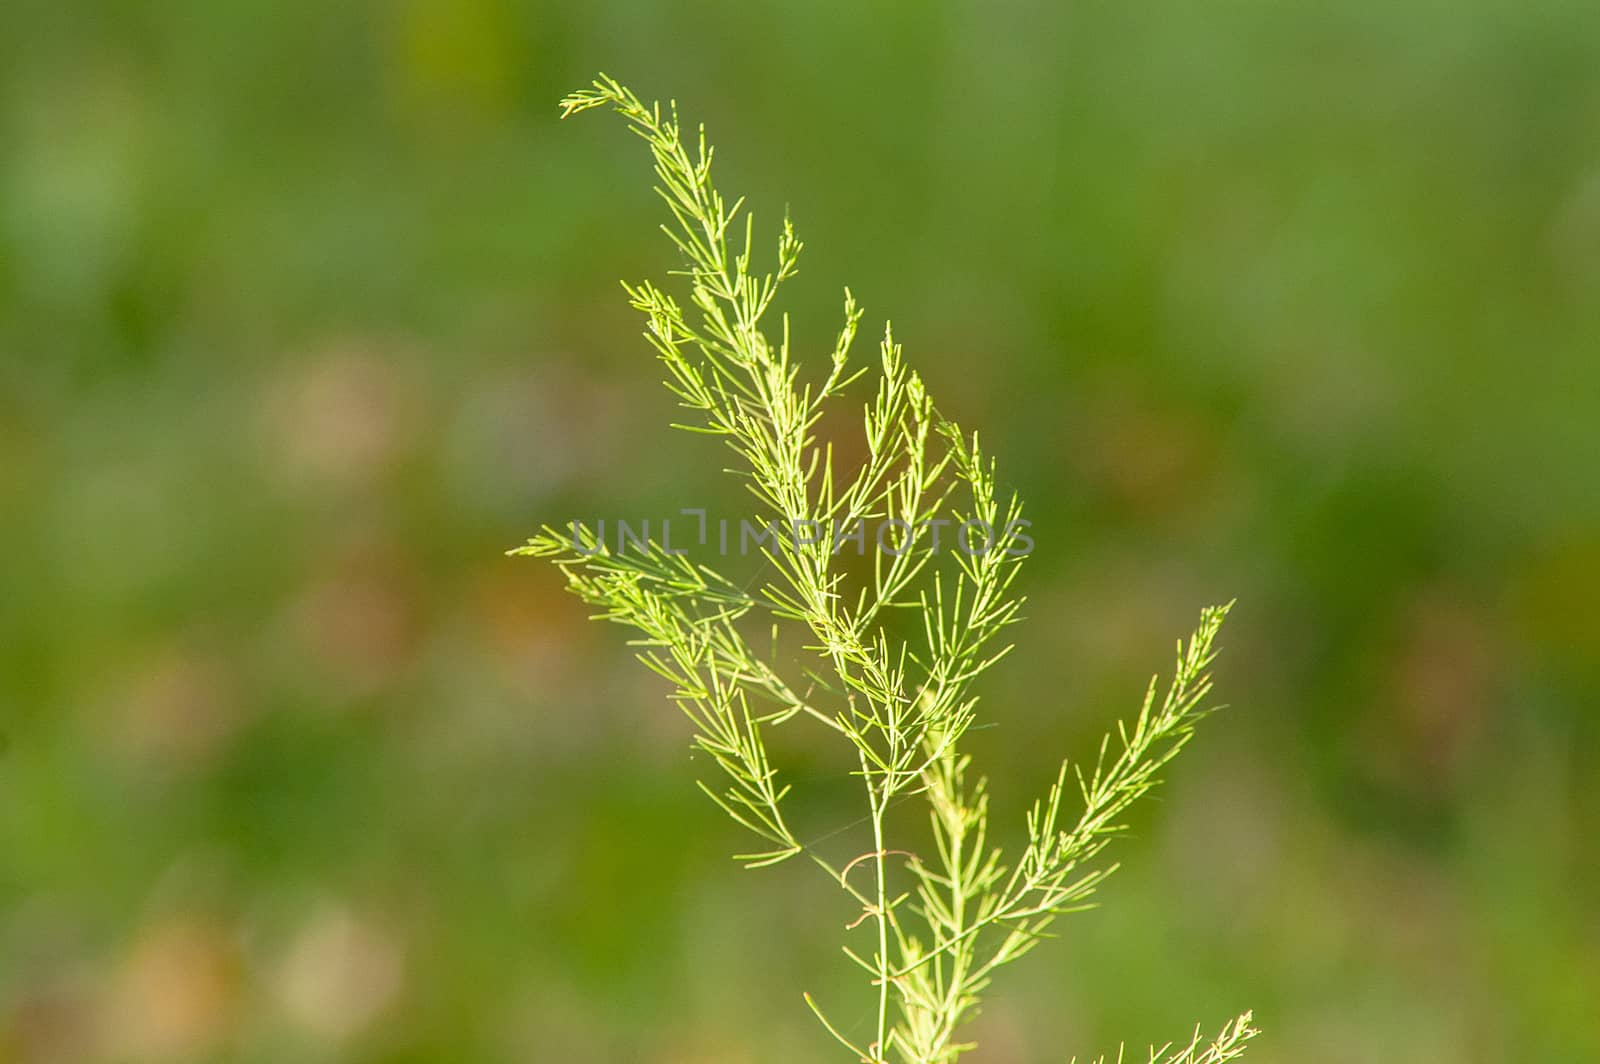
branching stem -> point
(902, 702)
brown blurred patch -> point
(527, 619)
(360, 617)
(49, 1024)
(178, 708)
(177, 992)
(1446, 676)
(1446, 665)
(1146, 456)
(341, 418)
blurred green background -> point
(309, 311)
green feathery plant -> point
(941, 921)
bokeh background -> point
(309, 311)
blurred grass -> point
(306, 313)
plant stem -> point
(879, 805)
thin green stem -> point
(879, 805)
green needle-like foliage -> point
(938, 923)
